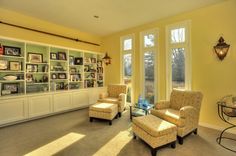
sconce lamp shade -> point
(107, 59)
(221, 49)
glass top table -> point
(139, 110)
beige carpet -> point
(71, 134)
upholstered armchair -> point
(116, 94)
(182, 110)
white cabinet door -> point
(80, 99)
(40, 105)
(13, 110)
(62, 101)
(94, 94)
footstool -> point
(107, 111)
(154, 131)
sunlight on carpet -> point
(115, 145)
(57, 145)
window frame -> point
(154, 49)
(122, 53)
(188, 58)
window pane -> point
(178, 68)
(149, 40)
(127, 44)
(178, 35)
(127, 65)
(149, 76)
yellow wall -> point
(212, 77)
(27, 21)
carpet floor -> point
(71, 134)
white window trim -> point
(132, 52)
(187, 47)
(156, 66)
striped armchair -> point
(116, 93)
(182, 110)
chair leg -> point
(173, 144)
(116, 117)
(119, 114)
(154, 151)
(195, 131)
(181, 140)
(134, 136)
(91, 119)
(110, 122)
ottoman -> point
(154, 131)
(107, 111)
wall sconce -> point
(221, 49)
(107, 59)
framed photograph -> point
(15, 65)
(35, 57)
(71, 60)
(32, 68)
(13, 87)
(54, 76)
(11, 51)
(93, 60)
(72, 70)
(3, 64)
(29, 78)
(87, 60)
(61, 75)
(78, 61)
(61, 56)
(99, 63)
(53, 56)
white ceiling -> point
(115, 15)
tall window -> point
(127, 57)
(178, 57)
(148, 64)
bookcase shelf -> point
(41, 67)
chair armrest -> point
(162, 105)
(103, 95)
(188, 112)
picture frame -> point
(61, 75)
(71, 60)
(53, 56)
(72, 70)
(53, 76)
(35, 57)
(3, 64)
(11, 51)
(15, 65)
(99, 63)
(12, 87)
(62, 56)
(93, 60)
(87, 60)
(32, 68)
(29, 78)
(78, 61)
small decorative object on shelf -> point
(61, 56)
(78, 61)
(53, 56)
(32, 68)
(61, 75)
(1, 49)
(11, 51)
(12, 87)
(10, 77)
(3, 64)
(35, 57)
(54, 76)
(15, 65)
(71, 60)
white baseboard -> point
(232, 131)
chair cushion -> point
(103, 107)
(154, 125)
(169, 115)
(115, 90)
(110, 100)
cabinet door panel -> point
(94, 94)
(80, 99)
(40, 105)
(12, 110)
(62, 102)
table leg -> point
(130, 111)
